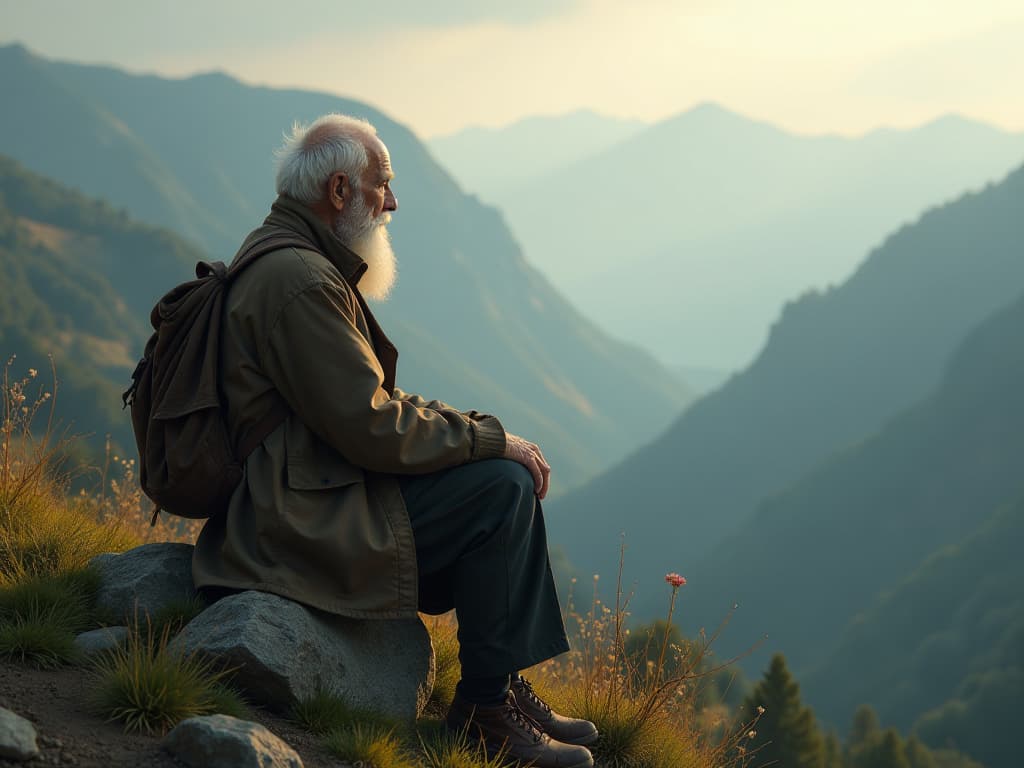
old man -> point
(367, 501)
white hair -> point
(311, 153)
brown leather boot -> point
(505, 726)
(567, 730)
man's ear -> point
(338, 190)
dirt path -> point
(54, 700)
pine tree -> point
(832, 753)
(918, 755)
(889, 753)
(866, 727)
(787, 734)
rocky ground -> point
(54, 700)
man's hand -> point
(529, 455)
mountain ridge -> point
(838, 365)
(723, 219)
(463, 281)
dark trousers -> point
(482, 549)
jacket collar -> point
(292, 215)
(287, 213)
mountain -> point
(476, 324)
(71, 267)
(837, 367)
(825, 548)
(490, 161)
(941, 650)
(700, 227)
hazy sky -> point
(808, 65)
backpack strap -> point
(275, 241)
(262, 428)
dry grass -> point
(456, 750)
(447, 670)
(367, 744)
(42, 532)
(646, 706)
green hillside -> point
(860, 523)
(70, 268)
(195, 156)
(837, 367)
(942, 650)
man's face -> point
(362, 223)
(376, 181)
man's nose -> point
(390, 201)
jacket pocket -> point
(304, 475)
(312, 465)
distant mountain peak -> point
(956, 121)
(15, 52)
(712, 116)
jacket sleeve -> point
(328, 373)
(438, 405)
(421, 402)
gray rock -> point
(284, 652)
(17, 737)
(101, 640)
(144, 579)
(228, 742)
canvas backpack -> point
(187, 463)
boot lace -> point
(532, 695)
(524, 721)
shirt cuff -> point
(488, 439)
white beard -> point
(368, 238)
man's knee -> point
(512, 476)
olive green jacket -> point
(319, 517)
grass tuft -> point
(148, 687)
(444, 749)
(38, 636)
(447, 670)
(171, 618)
(225, 700)
(40, 616)
(367, 744)
(67, 599)
(325, 712)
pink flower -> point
(675, 579)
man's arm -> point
(329, 375)
(437, 405)
(517, 449)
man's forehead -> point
(379, 152)
(385, 160)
